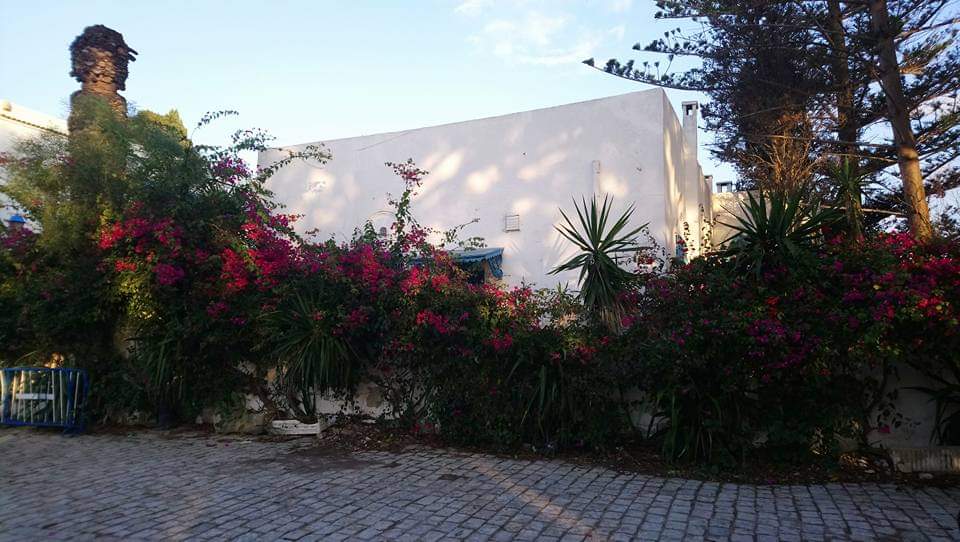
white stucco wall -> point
(726, 209)
(674, 174)
(692, 179)
(18, 123)
(530, 163)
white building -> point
(18, 123)
(512, 174)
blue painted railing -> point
(43, 397)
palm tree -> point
(779, 228)
(601, 278)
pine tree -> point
(793, 81)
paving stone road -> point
(155, 487)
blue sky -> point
(314, 70)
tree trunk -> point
(848, 128)
(908, 159)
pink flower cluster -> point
(122, 265)
(231, 169)
(414, 280)
(500, 342)
(168, 275)
(234, 271)
(367, 266)
(142, 232)
(418, 277)
(357, 318)
(439, 323)
(216, 308)
(17, 240)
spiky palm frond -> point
(313, 360)
(849, 182)
(599, 242)
(779, 229)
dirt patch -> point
(642, 457)
(334, 449)
(360, 435)
(321, 458)
(312, 456)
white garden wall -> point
(528, 164)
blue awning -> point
(493, 256)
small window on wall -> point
(481, 264)
(726, 186)
(476, 274)
(479, 273)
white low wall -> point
(915, 431)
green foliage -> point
(849, 183)
(313, 359)
(521, 368)
(123, 209)
(601, 278)
(790, 82)
(166, 270)
(946, 398)
(734, 364)
(779, 229)
(54, 295)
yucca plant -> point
(779, 228)
(159, 351)
(549, 403)
(849, 182)
(946, 421)
(312, 359)
(945, 394)
(599, 241)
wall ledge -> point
(926, 459)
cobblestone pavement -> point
(147, 486)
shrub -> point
(139, 234)
(777, 229)
(515, 367)
(600, 246)
(793, 358)
(166, 269)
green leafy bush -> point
(796, 357)
(600, 243)
(134, 226)
(777, 229)
(166, 269)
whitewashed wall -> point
(693, 196)
(530, 163)
(726, 209)
(18, 123)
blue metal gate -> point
(43, 397)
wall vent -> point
(511, 223)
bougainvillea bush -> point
(165, 269)
(791, 358)
(139, 244)
(505, 368)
